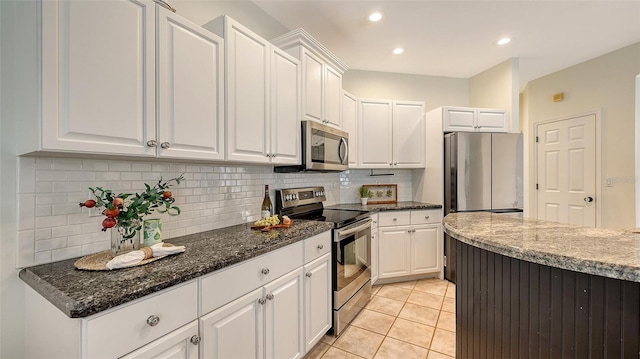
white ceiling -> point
(456, 38)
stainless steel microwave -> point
(324, 149)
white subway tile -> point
(95, 247)
(43, 163)
(68, 230)
(47, 198)
(43, 211)
(43, 257)
(53, 221)
(119, 166)
(82, 176)
(49, 175)
(51, 244)
(44, 187)
(131, 176)
(67, 164)
(142, 167)
(160, 167)
(107, 176)
(60, 187)
(95, 165)
(66, 253)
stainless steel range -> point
(351, 250)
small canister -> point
(152, 232)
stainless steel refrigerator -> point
(483, 172)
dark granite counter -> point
(80, 293)
(399, 206)
(603, 252)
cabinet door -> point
(459, 119)
(350, 125)
(408, 134)
(247, 73)
(190, 90)
(284, 317)
(285, 108)
(489, 120)
(175, 345)
(312, 87)
(332, 96)
(424, 249)
(235, 330)
(374, 256)
(393, 251)
(375, 133)
(98, 76)
(317, 299)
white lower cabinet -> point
(317, 295)
(182, 343)
(262, 324)
(409, 243)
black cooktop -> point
(339, 217)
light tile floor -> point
(407, 320)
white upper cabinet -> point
(98, 77)
(465, 119)
(350, 125)
(190, 90)
(262, 84)
(391, 134)
(321, 79)
(108, 66)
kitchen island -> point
(530, 288)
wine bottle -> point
(266, 208)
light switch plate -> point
(608, 182)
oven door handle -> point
(349, 231)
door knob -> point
(588, 199)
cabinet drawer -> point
(316, 246)
(426, 216)
(394, 218)
(122, 330)
(225, 285)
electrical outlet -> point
(608, 182)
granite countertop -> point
(79, 293)
(399, 206)
(604, 252)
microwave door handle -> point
(346, 150)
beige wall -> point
(433, 90)
(245, 12)
(498, 87)
(605, 84)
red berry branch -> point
(126, 209)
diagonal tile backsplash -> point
(52, 227)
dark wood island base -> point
(511, 308)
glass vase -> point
(125, 239)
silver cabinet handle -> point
(262, 301)
(195, 340)
(153, 320)
(165, 145)
(588, 199)
(395, 219)
(152, 143)
(426, 217)
(265, 271)
(395, 163)
(309, 274)
(320, 246)
(165, 5)
(269, 296)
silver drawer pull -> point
(153, 320)
(265, 271)
(165, 145)
(395, 219)
(309, 274)
(195, 340)
(426, 217)
(152, 143)
(262, 301)
(320, 246)
(269, 296)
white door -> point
(375, 133)
(317, 299)
(284, 317)
(408, 134)
(248, 58)
(285, 108)
(312, 87)
(175, 345)
(488, 120)
(424, 249)
(566, 171)
(332, 96)
(98, 76)
(190, 90)
(393, 251)
(235, 330)
(459, 119)
(350, 125)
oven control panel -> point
(292, 197)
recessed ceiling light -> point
(398, 50)
(503, 41)
(376, 16)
